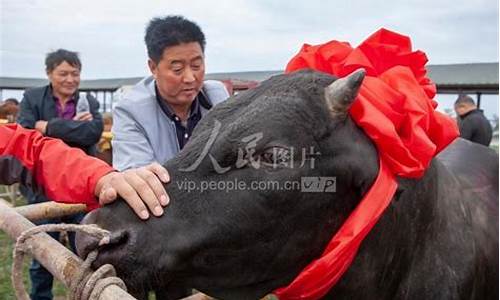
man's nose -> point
(189, 76)
(71, 78)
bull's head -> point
(245, 215)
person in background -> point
(104, 151)
(472, 123)
(157, 117)
(9, 109)
(58, 110)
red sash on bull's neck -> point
(395, 108)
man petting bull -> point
(156, 119)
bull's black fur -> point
(438, 239)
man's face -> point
(462, 109)
(65, 79)
(180, 72)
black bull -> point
(438, 239)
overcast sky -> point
(241, 34)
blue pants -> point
(41, 279)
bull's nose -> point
(86, 243)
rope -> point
(87, 285)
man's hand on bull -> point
(139, 187)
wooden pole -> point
(49, 210)
(61, 262)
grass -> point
(6, 246)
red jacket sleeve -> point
(66, 174)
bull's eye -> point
(276, 156)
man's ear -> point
(153, 67)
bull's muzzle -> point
(86, 243)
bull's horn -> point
(341, 93)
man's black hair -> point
(464, 99)
(59, 56)
(171, 31)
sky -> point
(242, 35)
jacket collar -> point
(75, 96)
(477, 110)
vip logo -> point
(318, 184)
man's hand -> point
(138, 187)
(41, 126)
(83, 116)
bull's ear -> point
(341, 93)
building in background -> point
(479, 80)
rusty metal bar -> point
(61, 262)
(48, 210)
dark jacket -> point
(39, 104)
(475, 127)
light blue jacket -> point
(142, 133)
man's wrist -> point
(102, 182)
(41, 126)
